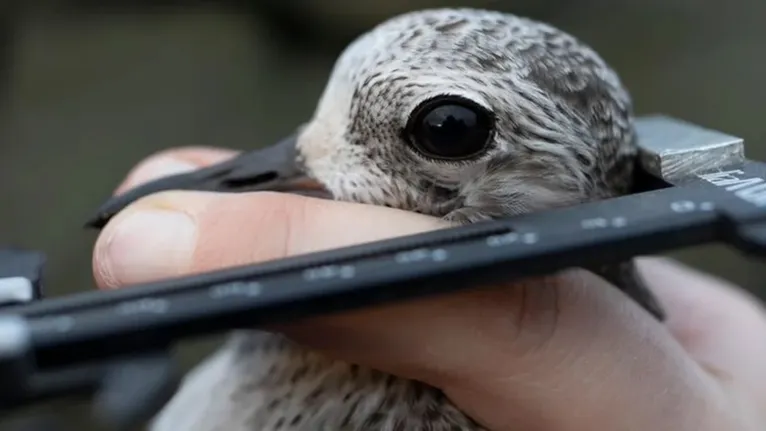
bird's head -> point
(441, 110)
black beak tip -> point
(115, 204)
(103, 215)
(111, 207)
(97, 222)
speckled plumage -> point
(563, 136)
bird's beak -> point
(273, 168)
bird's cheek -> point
(314, 148)
(319, 142)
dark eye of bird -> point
(450, 128)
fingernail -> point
(146, 245)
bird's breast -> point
(264, 382)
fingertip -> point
(154, 238)
(175, 233)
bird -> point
(464, 114)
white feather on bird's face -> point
(545, 121)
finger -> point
(566, 352)
(173, 161)
(173, 233)
(718, 324)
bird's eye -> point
(450, 128)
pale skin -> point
(563, 353)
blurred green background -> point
(92, 87)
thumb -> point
(179, 233)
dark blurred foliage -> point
(91, 87)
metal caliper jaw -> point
(674, 150)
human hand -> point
(563, 353)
